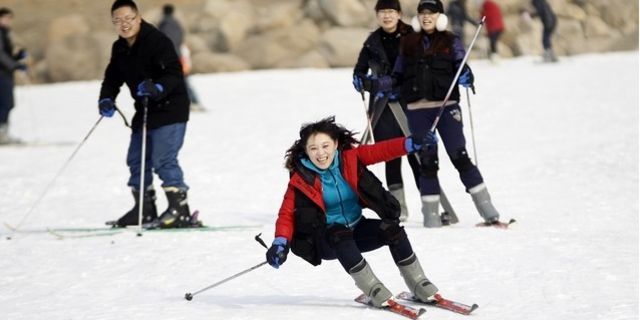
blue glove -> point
(466, 78)
(413, 144)
(106, 107)
(277, 254)
(357, 83)
(384, 84)
(149, 89)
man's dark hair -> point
(5, 11)
(123, 3)
(167, 9)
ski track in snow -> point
(557, 146)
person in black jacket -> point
(9, 63)
(457, 13)
(171, 27)
(379, 54)
(144, 59)
(424, 72)
(549, 20)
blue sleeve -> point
(458, 51)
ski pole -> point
(369, 131)
(455, 79)
(46, 189)
(145, 103)
(189, 295)
(473, 135)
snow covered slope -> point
(557, 145)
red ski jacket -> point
(494, 21)
(310, 187)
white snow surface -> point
(557, 146)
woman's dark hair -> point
(327, 126)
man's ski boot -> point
(177, 214)
(370, 285)
(415, 279)
(397, 191)
(149, 211)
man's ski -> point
(109, 231)
(440, 302)
(497, 224)
(394, 306)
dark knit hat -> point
(388, 4)
(431, 5)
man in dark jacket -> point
(172, 29)
(9, 62)
(144, 59)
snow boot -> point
(5, 138)
(549, 56)
(370, 285)
(397, 191)
(430, 206)
(149, 211)
(482, 200)
(415, 279)
(177, 214)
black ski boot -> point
(177, 214)
(149, 211)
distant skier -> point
(457, 13)
(424, 71)
(378, 54)
(172, 29)
(321, 215)
(145, 60)
(543, 10)
(9, 63)
(494, 26)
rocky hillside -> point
(70, 39)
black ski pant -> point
(347, 245)
(388, 128)
(6, 97)
(450, 131)
(493, 41)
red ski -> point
(497, 224)
(440, 302)
(394, 306)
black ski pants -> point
(347, 245)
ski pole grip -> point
(260, 241)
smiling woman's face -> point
(320, 149)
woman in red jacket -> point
(494, 25)
(321, 214)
